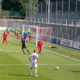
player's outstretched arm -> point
(37, 59)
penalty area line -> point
(10, 50)
(40, 64)
(63, 55)
(19, 50)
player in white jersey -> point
(33, 60)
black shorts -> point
(23, 47)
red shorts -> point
(39, 49)
(7, 32)
(4, 39)
(15, 33)
(17, 36)
(30, 37)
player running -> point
(39, 45)
(4, 37)
(33, 63)
(24, 46)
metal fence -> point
(12, 22)
(63, 16)
(59, 30)
(4, 13)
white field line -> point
(40, 64)
(60, 54)
(12, 50)
(63, 55)
(8, 50)
(48, 50)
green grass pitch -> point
(14, 65)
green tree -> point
(20, 5)
(16, 5)
(10, 5)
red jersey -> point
(4, 35)
(40, 43)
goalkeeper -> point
(24, 46)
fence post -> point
(48, 11)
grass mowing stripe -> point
(40, 64)
(63, 55)
(60, 54)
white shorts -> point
(33, 64)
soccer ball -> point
(57, 68)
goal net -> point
(38, 33)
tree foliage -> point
(20, 5)
(16, 5)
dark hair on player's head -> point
(22, 38)
(34, 50)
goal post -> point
(38, 33)
(36, 36)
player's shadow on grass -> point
(1, 52)
(76, 71)
(19, 74)
(53, 47)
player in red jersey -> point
(15, 34)
(30, 36)
(39, 45)
(4, 37)
(8, 30)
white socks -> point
(31, 71)
(35, 71)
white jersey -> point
(34, 57)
